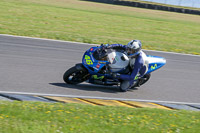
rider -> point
(137, 61)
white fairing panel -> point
(154, 59)
(118, 61)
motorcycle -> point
(98, 63)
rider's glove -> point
(115, 75)
(107, 46)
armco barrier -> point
(149, 6)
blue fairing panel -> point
(155, 62)
(90, 62)
(154, 66)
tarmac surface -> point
(37, 66)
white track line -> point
(87, 44)
(45, 39)
(92, 97)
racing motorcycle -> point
(98, 64)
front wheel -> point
(75, 76)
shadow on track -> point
(91, 87)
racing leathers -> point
(139, 65)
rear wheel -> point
(75, 76)
(143, 80)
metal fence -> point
(186, 3)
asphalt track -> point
(37, 66)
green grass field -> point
(38, 117)
(90, 22)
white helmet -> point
(134, 48)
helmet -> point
(134, 48)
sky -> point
(187, 3)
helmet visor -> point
(131, 50)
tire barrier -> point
(148, 6)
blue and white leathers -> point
(139, 65)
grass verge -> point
(39, 117)
(98, 23)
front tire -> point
(75, 76)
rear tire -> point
(75, 76)
(143, 80)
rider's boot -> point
(124, 86)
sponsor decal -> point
(96, 68)
(98, 65)
(88, 60)
(154, 67)
(97, 77)
(136, 77)
(100, 62)
(91, 57)
(116, 58)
